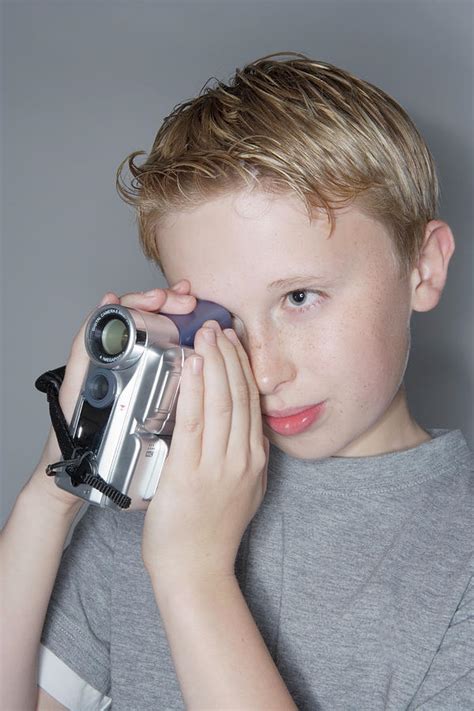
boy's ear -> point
(429, 276)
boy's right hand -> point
(174, 300)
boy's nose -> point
(271, 367)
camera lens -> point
(114, 337)
(99, 387)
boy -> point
(310, 544)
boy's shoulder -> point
(439, 462)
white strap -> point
(67, 687)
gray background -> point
(85, 83)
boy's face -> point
(338, 336)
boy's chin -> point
(305, 445)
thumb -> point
(109, 298)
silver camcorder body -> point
(125, 413)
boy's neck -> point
(395, 431)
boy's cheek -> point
(377, 373)
(364, 355)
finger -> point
(179, 298)
(266, 449)
(157, 300)
(182, 287)
(186, 444)
(256, 428)
(217, 399)
(239, 435)
(109, 298)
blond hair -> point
(290, 125)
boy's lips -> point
(293, 420)
(288, 411)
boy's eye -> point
(298, 297)
(303, 298)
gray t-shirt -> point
(357, 571)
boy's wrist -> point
(41, 491)
(167, 586)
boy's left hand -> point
(215, 475)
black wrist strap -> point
(49, 383)
(78, 462)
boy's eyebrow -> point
(295, 281)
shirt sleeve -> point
(449, 682)
(77, 624)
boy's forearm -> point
(220, 657)
(31, 545)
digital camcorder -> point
(125, 413)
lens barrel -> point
(109, 335)
(114, 337)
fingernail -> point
(212, 324)
(152, 292)
(231, 335)
(108, 298)
(183, 298)
(178, 283)
(209, 335)
(196, 365)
